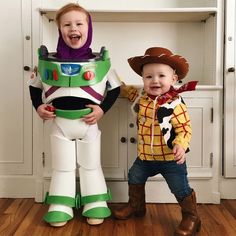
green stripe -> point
(62, 200)
(98, 212)
(72, 114)
(56, 216)
(96, 198)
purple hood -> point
(83, 53)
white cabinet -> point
(127, 28)
(15, 106)
(230, 92)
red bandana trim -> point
(173, 92)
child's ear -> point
(175, 78)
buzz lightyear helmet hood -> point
(72, 73)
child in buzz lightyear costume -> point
(78, 87)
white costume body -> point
(76, 144)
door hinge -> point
(212, 115)
(43, 159)
(211, 159)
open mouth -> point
(155, 87)
(74, 37)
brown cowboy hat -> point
(163, 56)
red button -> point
(50, 108)
(88, 75)
(55, 75)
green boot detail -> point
(56, 216)
(98, 212)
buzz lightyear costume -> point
(72, 140)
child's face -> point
(74, 29)
(158, 78)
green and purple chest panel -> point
(61, 73)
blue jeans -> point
(174, 174)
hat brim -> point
(178, 63)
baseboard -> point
(227, 188)
(18, 186)
(157, 191)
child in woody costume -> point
(78, 87)
(164, 133)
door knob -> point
(123, 139)
(132, 140)
(231, 69)
(26, 68)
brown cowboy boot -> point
(136, 205)
(191, 222)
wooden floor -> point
(23, 217)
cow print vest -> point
(164, 114)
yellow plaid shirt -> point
(180, 122)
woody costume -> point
(162, 122)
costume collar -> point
(174, 92)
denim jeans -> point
(174, 174)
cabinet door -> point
(15, 104)
(230, 91)
(114, 141)
(200, 157)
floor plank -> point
(23, 217)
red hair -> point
(67, 8)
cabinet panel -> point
(201, 146)
(15, 105)
(230, 92)
(114, 141)
(199, 159)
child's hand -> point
(123, 89)
(94, 116)
(46, 112)
(179, 154)
(34, 73)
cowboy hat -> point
(162, 56)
